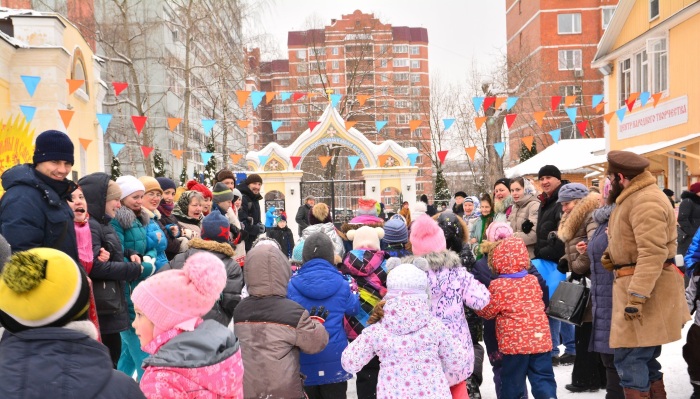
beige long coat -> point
(525, 209)
(642, 230)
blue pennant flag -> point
(412, 157)
(572, 114)
(275, 125)
(556, 134)
(206, 156)
(335, 99)
(263, 159)
(597, 98)
(285, 95)
(499, 147)
(30, 82)
(448, 123)
(510, 102)
(478, 102)
(379, 125)
(208, 124)
(116, 147)
(104, 120)
(621, 113)
(256, 97)
(644, 97)
(28, 112)
(352, 159)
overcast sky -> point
(459, 31)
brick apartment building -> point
(551, 44)
(354, 55)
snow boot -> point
(657, 389)
(635, 394)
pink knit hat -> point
(179, 298)
(426, 236)
(498, 231)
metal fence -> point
(340, 195)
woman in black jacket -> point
(688, 217)
(102, 197)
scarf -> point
(165, 209)
(83, 237)
(486, 220)
(64, 188)
(602, 215)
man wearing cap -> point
(458, 208)
(302, 217)
(649, 307)
(249, 214)
(34, 212)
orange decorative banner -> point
(269, 96)
(608, 116)
(235, 157)
(85, 143)
(146, 151)
(243, 123)
(74, 84)
(66, 116)
(656, 97)
(139, 122)
(479, 121)
(510, 118)
(349, 124)
(499, 102)
(324, 160)
(568, 100)
(242, 97)
(413, 124)
(600, 106)
(539, 117)
(382, 159)
(361, 98)
(527, 140)
(178, 153)
(471, 152)
(173, 122)
(310, 95)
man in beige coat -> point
(649, 308)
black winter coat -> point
(249, 215)
(33, 214)
(284, 237)
(688, 220)
(548, 246)
(302, 217)
(94, 188)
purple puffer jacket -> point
(601, 285)
(452, 287)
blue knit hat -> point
(297, 252)
(395, 231)
(216, 227)
(166, 183)
(53, 145)
(571, 191)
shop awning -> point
(570, 156)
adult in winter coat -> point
(157, 239)
(249, 213)
(318, 284)
(273, 329)
(167, 222)
(457, 207)
(523, 214)
(548, 246)
(320, 220)
(502, 200)
(302, 217)
(648, 288)
(189, 213)
(283, 235)
(688, 217)
(33, 211)
(109, 278)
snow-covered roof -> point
(649, 148)
(12, 40)
(567, 155)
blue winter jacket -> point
(155, 237)
(270, 217)
(318, 283)
(693, 255)
(601, 292)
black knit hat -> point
(254, 178)
(53, 145)
(460, 194)
(166, 183)
(503, 180)
(549, 170)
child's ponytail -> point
(377, 313)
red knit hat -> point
(194, 186)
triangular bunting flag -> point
(379, 125)
(510, 118)
(297, 95)
(442, 155)
(528, 140)
(207, 125)
(30, 83)
(206, 156)
(471, 152)
(256, 97)
(556, 135)
(242, 97)
(539, 117)
(335, 99)
(146, 151)
(568, 100)
(275, 125)
(572, 114)
(621, 113)
(582, 127)
(295, 160)
(644, 97)
(499, 147)
(243, 123)
(448, 123)
(139, 122)
(104, 120)
(499, 102)
(177, 153)
(310, 95)
(235, 158)
(285, 95)
(597, 99)
(312, 125)
(600, 107)
(28, 112)
(269, 96)
(479, 121)
(608, 116)
(66, 116)
(119, 87)
(556, 100)
(85, 143)
(263, 159)
(324, 160)
(382, 160)
(352, 160)
(656, 97)
(510, 102)
(631, 100)
(349, 124)
(488, 102)
(74, 84)
(413, 124)
(477, 101)
(116, 147)
(173, 122)
(412, 158)
(361, 98)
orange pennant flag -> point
(568, 100)
(242, 97)
(269, 96)
(528, 140)
(656, 97)
(600, 106)
(479, 120)
(349, 124)
(608, 116)
(173, 122)
(499, 102)
(235, 157)
(85, 143)
(310, 95)
(324, 160)
(66, 116)
(74, 84)
(361, 98)
(539, 117)
(243, 123)
(382, 159)
(413, 124)
(178, 153)
(471, 152)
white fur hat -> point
(129, 185)
(366, 237)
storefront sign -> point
(667, 114)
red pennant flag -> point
(312, 125)
(488, 102)
(297, 95)
(539, 117)
(528, 140)
(242, 97)
(656, 97)
(74, 84)
(471, 151)
(85, 143)
(349, 124)
(324, 160)
(178, 153)
(173, 122)
(630, 103)
(442, 154)
(556, 100)
(479, 121)
(582, 127)
(146, 151)
(295, 160)
(66, 116)
(235, 157)
(510, 118)
(119, 87)
(139, 122)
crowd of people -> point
(139, 288)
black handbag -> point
(569, 301)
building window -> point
(415, 64)
(569, 23)
(301, 54)
(415, 50)
(317, 51)
(301, 67)
(400, 48)
(415, 91)
(401, 104)
(659, 56)
(607, 16)
(568, 130)
(383, 63)
(287, 123)
(415, 78)
(400, 62)
(571, 90)
(641, 71)
(625, 80)
(401, 90)
(402, 119)
(399, 77)
(653, 9)
(302, 81)
(335, 51)
(569, 59)
(302, 108)
(336, 78)
(79, 72)
(335, 64)
(384, 77)
(174, 34)
(284, 82)
(282, 109)
(383, 49)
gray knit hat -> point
(222, 193)
(318, 245)
(571, 191)
(395, 231)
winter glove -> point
(187, 233)
(633, 309)
(563, 266)
(353, 284)
(184, 243)
(261, 228)
(576, 276)
(527, 226)
(319, 314)
(234, 231)
(607, 261)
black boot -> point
(696, 391)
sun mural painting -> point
(16, 144)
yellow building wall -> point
(638, 20)
(4, 99)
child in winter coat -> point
(416, 350)
(451, 285)
(157, 239)
(320, 220)
(167, 221)
(284, 236)
(522, 328)
(223, 203)
(319, 285)
(189, 356)
(395, 240)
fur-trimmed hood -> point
(644, 180)
(571, 222)
(690, 195)
(155, 214)
(444, 259)
(126, 217)
(213, 246)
